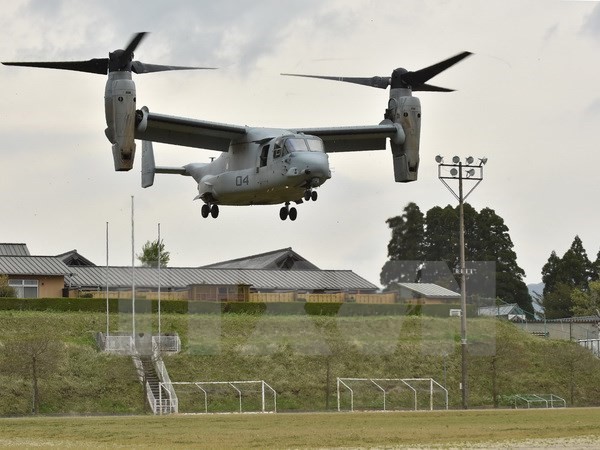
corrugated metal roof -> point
(14, 250)
(430, 290)
(501, 310)
(179, 278)
(33, 265)
(73, 258)
(268, 260)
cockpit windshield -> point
(296, 144)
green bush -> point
(5, 289)
(254, 308)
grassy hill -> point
(300, 356)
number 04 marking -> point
(239, 180)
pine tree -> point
(551, 273)
(442, 236)
(564, 276)
(557, 303)
(493, 243)
(405, 249)
(576, 268)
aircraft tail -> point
(149, 168)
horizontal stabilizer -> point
(149, 167)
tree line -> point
(571, 283)
(419, 240)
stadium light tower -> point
(462, 171)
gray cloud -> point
(521, 113)
(591, 25)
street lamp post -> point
(461, 171)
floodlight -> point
(439, 159)
(455, 159)
(470, 160)
(453, 172)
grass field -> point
(299, 356)
(535, 428)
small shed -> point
(509, 311)
(426, 294)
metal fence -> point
(591, 344)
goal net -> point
(225, 396)
(390, 394)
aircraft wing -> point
(358, 138)
(186, 132)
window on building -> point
(25, 288)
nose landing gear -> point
(207, 209)
(286, 212)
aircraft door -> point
(263, 157)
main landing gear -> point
(286, 212)
(207, 209)
(309, 194)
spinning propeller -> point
(401, 78)
(117, 61)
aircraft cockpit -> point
(292, 144)
(304, 144)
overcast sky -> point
(528, 100)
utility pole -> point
(461, 171)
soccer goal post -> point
(225, 396)
(390, 394)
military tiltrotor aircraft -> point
(258, 166)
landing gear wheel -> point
(205, 210)
(293, 213)
(307, 195)
(214, 211)
(314, 196)
(283, 213)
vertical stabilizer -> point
(148, 165)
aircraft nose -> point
(315, 164)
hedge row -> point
(185, 307)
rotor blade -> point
(137, 38)
(432, 88)
(419, 77)
(378, 82)
(96, 65)
(140, 67)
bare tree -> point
(34, 357)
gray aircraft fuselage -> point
(268, 166)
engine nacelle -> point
(405, 110)
(119, 107)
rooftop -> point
(430, 290)
(283, 259)
(179, 278)
(14, 250)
